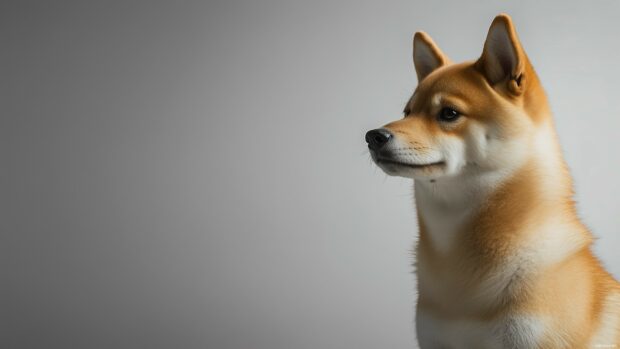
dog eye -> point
(448, 114)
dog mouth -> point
(410, 165)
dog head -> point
(464, 118)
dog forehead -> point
(460, 80)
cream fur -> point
(503, 260)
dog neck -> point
(541, 180)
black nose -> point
(377, 138)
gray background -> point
(193, 174)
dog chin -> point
(413, 171)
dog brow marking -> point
(436, 100)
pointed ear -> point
(426, 55)
(503, 58)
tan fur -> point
(520, 251)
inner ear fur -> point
(503, 59)
(426, 55)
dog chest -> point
(435, 331)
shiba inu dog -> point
(502, 258)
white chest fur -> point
(513, 332)
(444, 206)
(434, 332)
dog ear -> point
(503, 59)
(426, 55)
